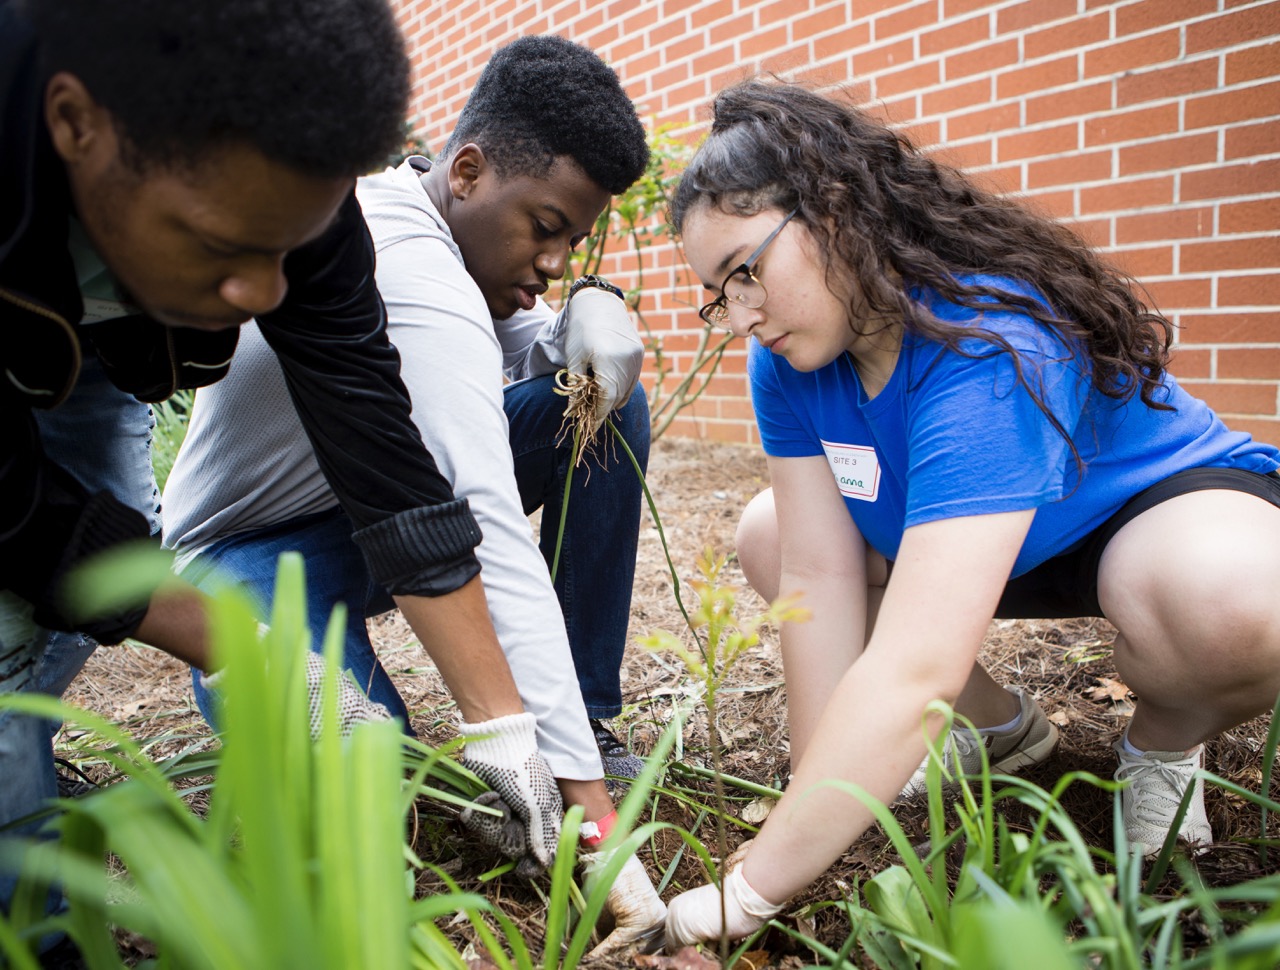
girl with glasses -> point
(967, 414)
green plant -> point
(727, 638)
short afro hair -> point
(541, 98)
(319, 85)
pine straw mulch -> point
(700, 489)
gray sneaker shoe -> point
(1157, 781)
(1030, 743)
(617, 760)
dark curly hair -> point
(540, 98)
(319, 85)
(900, 220)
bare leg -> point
(1192, 585)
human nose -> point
(551, 262)
(742, 320)
(256, 287)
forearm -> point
(457, 634)
(870, 733)
(177, 623)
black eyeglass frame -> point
(716, 313)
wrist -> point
(591, 280)
(594, 834)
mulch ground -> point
(700, 489)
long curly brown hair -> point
(900, 220)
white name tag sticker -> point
(97, 309)
(856, 468)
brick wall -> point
(1153, 126)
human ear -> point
(79, 126)
(465, 169)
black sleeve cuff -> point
(427, 551)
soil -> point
(700, 489)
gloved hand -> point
(601, 340)
(353, 706)
(694, 916)
(633, 904)
(504, 753)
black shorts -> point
(1067, 584)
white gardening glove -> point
(636, 909)
(601, 340)
(504, 753)
(353, 706)
(694, 916)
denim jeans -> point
(593, 581)
(102, 436)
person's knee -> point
(758, 547)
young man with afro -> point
(466, 247)
(171, 171)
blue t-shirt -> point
(953, 435)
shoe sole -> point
(1026, 757)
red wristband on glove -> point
(593, 833)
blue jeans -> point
(102, 436)
(593, 581)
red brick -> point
(906, 20)
(1048, 74)
(1252, 63)
(1125, 55)
(1241, 104)
(1127, 194)
(1169, 153)
(1260, 290)
(1167, 82)
(1075, 33)
(1255, 252)
(1118, 126)
(1191, 364)
(982, 60)
(1262, 215)
(1095, 232)
(1135, 17)
(1072, 103)
(841, 42)
(1258, 139)
(1240, 327)
(999, 117)
(965, 155)
(923, 134)
(883, 57)
(908, 79)
(1039, 142)
(705, 14)
(1266, 430)
(1182, 292)
(1059, 204)
(1224, 181)
(1144, 262)
(1032, 13)
(999, 179)
(956, 8)
(831, 17)
(1185, 223)
(1083, 167)
(956, 96)
(1239, 27)
(763, 43)
(950, 36)
(1235, 398)
(1253, 363)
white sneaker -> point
(1029, 743)
(1157, 782)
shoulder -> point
(397, 209)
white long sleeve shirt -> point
(246, 463)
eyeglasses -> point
(742, 286)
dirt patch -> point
(700, 489)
